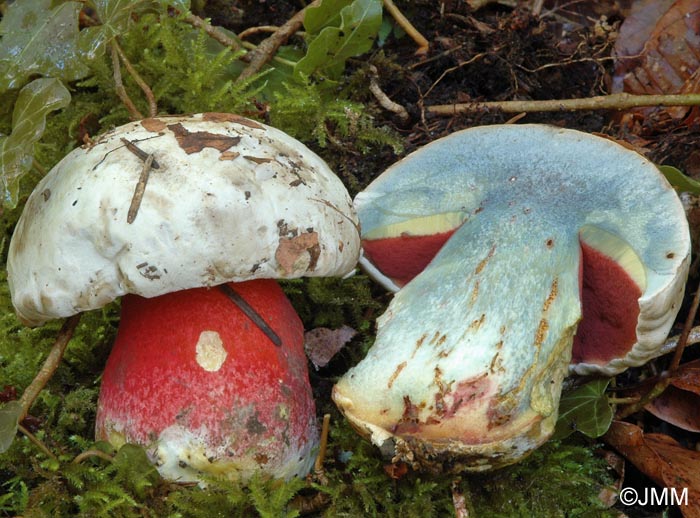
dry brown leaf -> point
(658, 50)
(321, 344)
(662, 459)
(678, 407)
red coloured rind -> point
(260, 395)
(610, 310)
(402, 258)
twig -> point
(139, 190)
(213, 32)
(250, 312)
(50, 365)
(267, 48)
(255, 30)
(620, 101)
(667, 376)
(36, 442)
(384, 100)
(134, 113)
(152, 104)
(423, 44)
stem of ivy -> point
(92, 453)
(152, 104)
(36, 442)
(134, 113)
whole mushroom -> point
(510, 247)
(208, 371)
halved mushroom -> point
(170, 204)
(511, 246)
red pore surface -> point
(402, 258)
(251, 391)
(610, 310)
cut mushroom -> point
(169, 204)
(511, 246)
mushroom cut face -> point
(173, 203)
(538, 241)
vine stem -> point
(152, 104)
(49, 367)
(621, 101)
(212, 31)
(134, 112)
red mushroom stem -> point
(204, 389)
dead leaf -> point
(677, 407)
(195, 141)
(321, 344)
(662, 459)
(657, 50)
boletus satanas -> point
(512, 250)
(185, 216)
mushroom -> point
(208, 376)
(511, 246)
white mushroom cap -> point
(228, 199)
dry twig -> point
(267, 48)
(620, 101)
(49, 367)
(384, 100)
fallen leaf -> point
(677, 407)
(662, 459)
(657, 50)
(321, 344)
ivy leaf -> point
(34, 103)
(115, 19)
(585, 409)
(9, 420)
(359, 24)
(39, 40)
(678, 180)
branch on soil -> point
(620, 101)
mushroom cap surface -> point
(467, 366)
(213, 394)
(230, 200)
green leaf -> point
(327, 13)
(39, 40)
(359, 24)
(585, 409)
(35, 101)
(678, 180)
(9, 420)
(115, 19)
